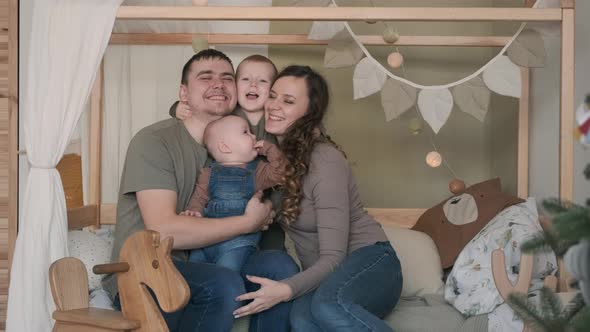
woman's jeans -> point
(362, 290)
(214, 290)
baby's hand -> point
(183, 112)
(191, 213)
(259, 145)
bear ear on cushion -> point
(455, 221)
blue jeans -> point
(232, 253)
(215, 288)
(363, 289)
(276, 265)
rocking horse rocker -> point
(144, 261)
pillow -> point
(470, 286)
(419, 259)
(455, 221)
(91, 249)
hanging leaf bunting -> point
(397, 98)
(473, 97)
(342, 51)
(367, 78)
(528, 49)
(503, 77)
(435, 107)
(325, 30)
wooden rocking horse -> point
(144, 261)
(523, 282)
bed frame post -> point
(566, 150)
(13, 156)
(95, 149)
(523, 135)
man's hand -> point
(183, 111)
(258, 213)
(191, 213)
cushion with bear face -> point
(455, 221)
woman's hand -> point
(270, 293)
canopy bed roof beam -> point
(264, 39)
(337, 13)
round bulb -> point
(395, 60)
(390, 35)
(200, 44)
(456, 186)
(433, 159)
(415, 126)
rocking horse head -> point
(150, 266)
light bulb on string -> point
(200, 44)
(395, 60)
(415, 125)
(433, 159)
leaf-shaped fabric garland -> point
(367, 78)
(503, 77)
(325, 30)
(473, 97)
(342, 51)
(397, 98)
(528, 49)
(435, 107)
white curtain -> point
(68, 39)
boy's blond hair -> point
(257, 58)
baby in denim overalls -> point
(225, 187)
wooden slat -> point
(336, 14)
(405, 218)
(523, 135)
(95, 149)
(108, 214)
(567, 106)
(265, 39)
(401, 217)
(82, 217)
(13, 126)
(571, 4)
(566, 150)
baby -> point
(254, 77)
(225, 187)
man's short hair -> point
(204, 54)
(258, 58)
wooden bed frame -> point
(96, 213)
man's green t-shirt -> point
(161, 156)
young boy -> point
(224, 188)
(254, 77)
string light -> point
(433, 159)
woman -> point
(351, 275)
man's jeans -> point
(215, 288)
(363, 289)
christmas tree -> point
(568, 237)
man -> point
(161, 168)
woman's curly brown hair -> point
(301, 138)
